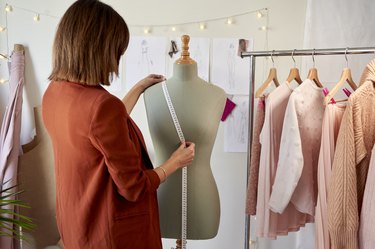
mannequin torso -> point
(199, 106)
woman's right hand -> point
(184, 155)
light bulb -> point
(259, 14)
(230, 21)
(37, 18)
(263, 28)
(202, 26)
(8, 8)
(173, 29)
(2, 29)
(2, 81)
(147, 31)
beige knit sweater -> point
(349, 171)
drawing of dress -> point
(145, 62)
(231, 53)
(241, 136)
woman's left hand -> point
(150, 80)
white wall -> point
(286, 25)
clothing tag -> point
(347, 91)
(229, 106)
(325, 92)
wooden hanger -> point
(272, 77)
(346, 76)
(313, 73)
(294, 73)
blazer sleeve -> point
(290, 163)
(342, 196)
(109, 133)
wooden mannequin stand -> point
(178, 244)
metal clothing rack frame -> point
(296, 52)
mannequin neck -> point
(185, 72)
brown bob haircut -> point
(89, 42)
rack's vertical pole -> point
(250, 139)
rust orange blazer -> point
(105, 185)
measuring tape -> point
(184, 170)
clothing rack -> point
(295, 52)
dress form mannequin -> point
(199, 107)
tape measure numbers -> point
(184, 170)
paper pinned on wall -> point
(144, 56)
(229, 70)
(199, 49)
(236, 126)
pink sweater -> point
(351, 162)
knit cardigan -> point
(352, 156)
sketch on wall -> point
(199, 49)
(144, 56)
(236, 126)
(229, 70)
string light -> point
(147, 31)
(259, 14)
(202, 24)
(2, 81)
(3, 56)
(37, 18)
(8, 8)
(2, 29)
(263, 28)
(230, 21)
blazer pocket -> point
(131, 214)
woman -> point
(105, 182)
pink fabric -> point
(270, 224)
(367, 220)
(229, 106)
(330, 128)
(10, 146)
(252, 189)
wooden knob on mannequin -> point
(185, 54)
(18, 48)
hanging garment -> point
(367, 220)
(330, 129)
(349, 171)
(299, 151)
(10, 145)
(270, 224)
(252, 189)
(368, 73)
